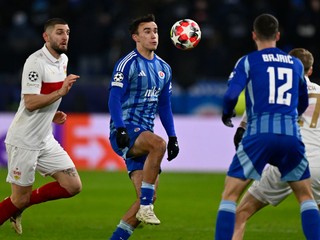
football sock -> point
(7, 209)
(310, 219)
(147, 191)
(123, 231)
(225, 220)
(50, 191)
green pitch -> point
(187, 206)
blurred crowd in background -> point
(99, 37)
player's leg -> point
(55, 162)
(155, 148)
(227, 208)
(129, 221)
(268, 190)
(315, 181)
(308, 208)
(248, 206)
(21, 176)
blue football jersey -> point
(141, 83)
(274, 87)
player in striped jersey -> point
(270, 190)
(276, 93)
(30, 143)
(141, 88)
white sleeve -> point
(31, 76)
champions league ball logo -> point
(118, 77)
(33, 76)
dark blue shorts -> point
(285, 152)
(132, 163)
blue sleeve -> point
(115, 106)
(236, 84)
(230, 98)
(303, 97)
(165, 111)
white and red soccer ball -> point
(185, 34)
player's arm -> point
(166, 117)
(303, 97)
(240, 130)
(37, 101)
(117, 90)
(236, 83)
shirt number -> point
(282, 74)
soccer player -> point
(276, 93)
(140, 88)
(30, 143)
(270, 189)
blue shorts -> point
(132, 163)
(285, 152)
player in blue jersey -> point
(270, 190)
(276, 93)
(141, 88)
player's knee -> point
(74, 188)
(160, 145)
(21, 201)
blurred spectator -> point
(99, 36)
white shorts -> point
(23, 163)
(270, 190)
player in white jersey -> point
(30, 143)
(270, 190)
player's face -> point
(147, 36)
(58, 38)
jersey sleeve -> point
(118, 85)
(236, 83)
(165, 110)
(32, 76)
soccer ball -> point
(185, 34)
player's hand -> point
(67, 84)
(123, 139)
(226, 118)
(173, 148)
(238, 136)
(59, 117)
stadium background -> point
(99, 36)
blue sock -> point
(310, 219)
(225, 220)
(123, 231)
(147, 191)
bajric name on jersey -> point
(277, 58)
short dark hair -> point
(133, 28)
(305, 57)
(266, 27)
(54, 21)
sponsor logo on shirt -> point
(153, 92)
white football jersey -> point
(310, 125)
(42, 74)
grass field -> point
(187, 206)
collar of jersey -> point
(49, 55)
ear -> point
(45, 36)
(135, 37)
(309, 73)
(277, 36)
(254, 36)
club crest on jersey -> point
(161, 75)
(117, 78)
(136, 129)
(33, 76)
